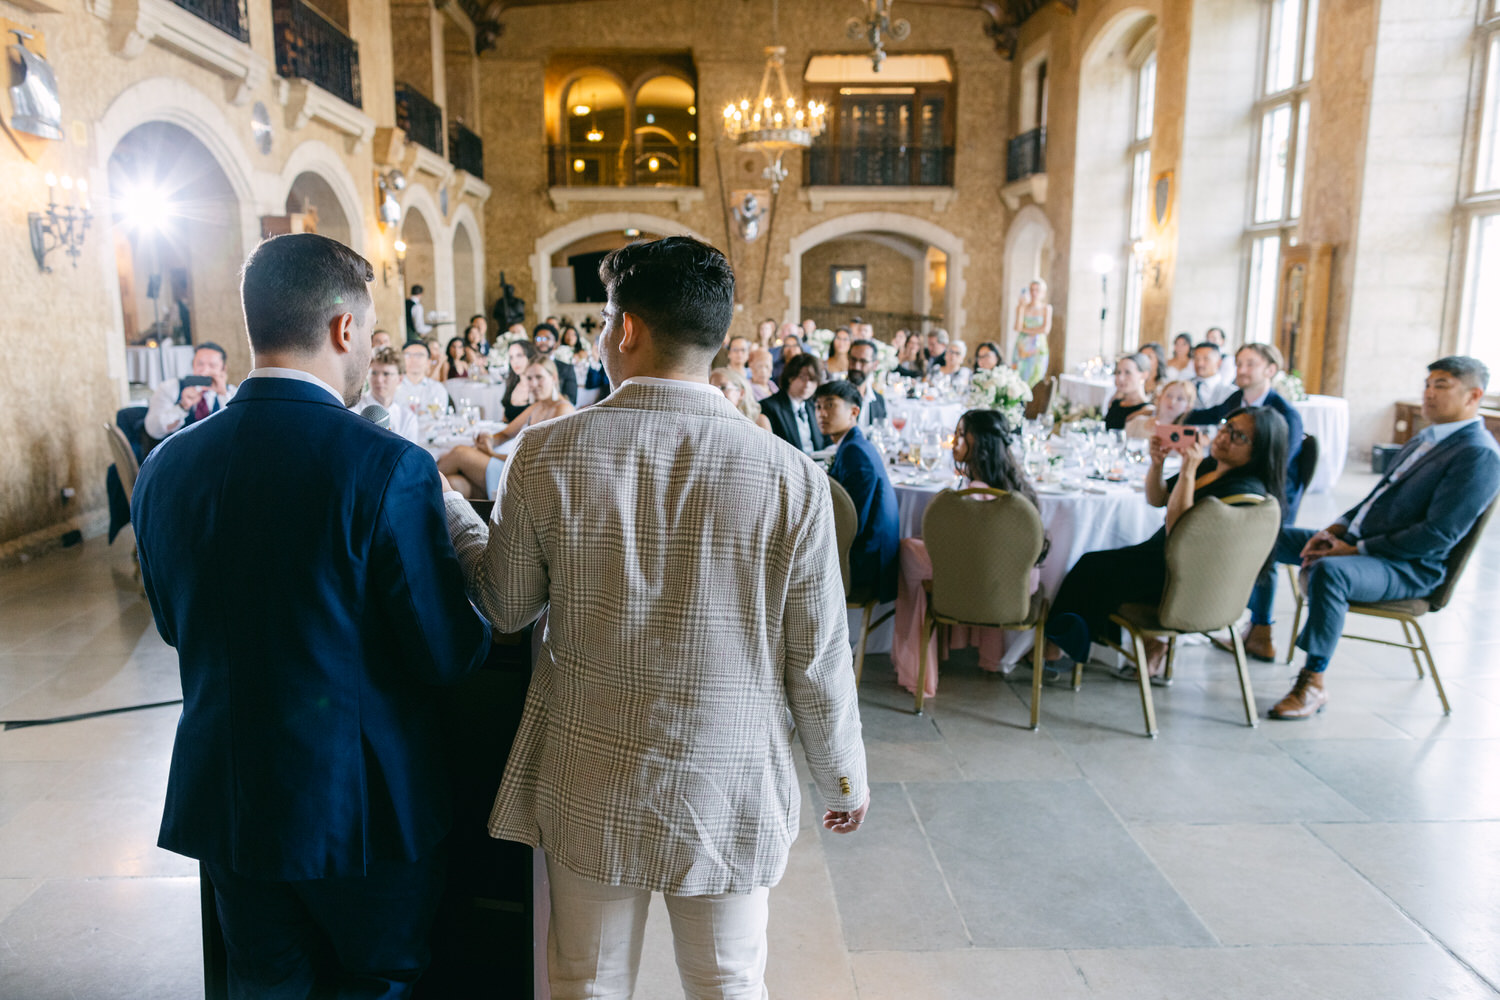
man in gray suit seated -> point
(1393, 544)
(689, 571)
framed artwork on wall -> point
(846, 285)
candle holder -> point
(62, 226)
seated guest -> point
(859, 468)
(737, 391)
(837, 365)
(1393, 544)
(174, 406)
(425, 397)
(544, 337)
(898, 341)
(385, 377)
(982, 455)
(1156, 362)
(470, 469)
(1173, 403)
(1212, 379)
(1248, 456)
(455, 362)
(519, 355)
(379, 339)
(987, 356)
(809, 327)
(1255, 367)
(1130, 390)
(937, 348)
(790, 408)
(1215, 336)
(475, 336)
(761, 365)
(1180, 364)
(909, 363)
(953, 360)
(872, 408)
(790, 347)
(738, 356)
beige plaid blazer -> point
(687, 562)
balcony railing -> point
(635, 165)
(227, 15)
(880, 166)
(310, 47)
(465, 150)
(1025, 155)
(420, 118)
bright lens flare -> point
(146, 208)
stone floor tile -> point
(966, 975)
(1408, 780)
(62, 839)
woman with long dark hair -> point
(454, 363)
(1180, 364)
(1248, 455)
(519, 355)
(982, 455)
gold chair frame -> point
(845, 528)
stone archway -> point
(1028, 255)
(553, 241)
(467, 254)
(954, 315)
(318, 158)
(417, 201)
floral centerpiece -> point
(1064, 410)
(562, 354)
(885, 358)
(999, 389)
(821, 343)
(1289, 386)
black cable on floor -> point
(23, 723)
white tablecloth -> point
(1327, 419)
(145, 364)
(941, 416)
(1086, 391)
(489, 398)
(1076, 523)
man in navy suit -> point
(1393, 544)
(789, 409)
(1255, 366)
(874, 553)
(297, 557)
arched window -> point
(609, 134)
(1138, 156)
(1479, 325)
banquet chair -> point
(127, 467)
(845, 527)
(982, 553)
(1406, 612)
(1042, 395)
(1214, 553)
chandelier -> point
(876, 27)
(775, 121)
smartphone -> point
(1174, 436)
(188, 380)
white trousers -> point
(596, 932)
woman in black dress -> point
(1248, 456)
(520, 354)
(1130, 391)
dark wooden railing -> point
(465, 150)
(227, 15)
(1026, 154)
(421, 119)
(636, 165)
(880, 166)
(885, 323)
(310, 47)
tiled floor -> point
(1354, 855)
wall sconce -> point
(63, 225)
(1145, 255)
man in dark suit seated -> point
(1393, 544)
(790, 410)
(872, 407)
(297, 557)
(859, 468)
(1255, 366)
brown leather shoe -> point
(1259, 644)
(1306, 699)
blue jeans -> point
(1332, 583)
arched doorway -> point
(466, 301)
(315, 175)
(419, 266)
(618, 228)
(312, 197)
(1028, 255)
(175, 221)
(895, 282)
(944, 256)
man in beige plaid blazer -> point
(688, 566)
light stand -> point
(1103, 264)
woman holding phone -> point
(1248, 455)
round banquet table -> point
(1102, 516)
(1084, 391)
(152, 365)
(940, 415)
(489, 398)
(1327, 419)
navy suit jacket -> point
(1434, 503)
(778, 411)
(298, 558)
(875, 552)
(1274, 399)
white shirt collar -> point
(676, 382)
(1247, 401)
(300, 376)
(1438, 433)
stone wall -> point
(890, 278)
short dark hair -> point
(293, 285)
(989, 345)
(416, 290)
(681, 288)
(1183, 336)
(1208, 345)
(843, 390)
(544, 326)
(865, 342)
(844, 329)
(1470, 371)
(800, 363)
(209, 345)
(477, 316)
(1268, 449)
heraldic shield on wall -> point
(30, 111)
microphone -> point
(377, 415)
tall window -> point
(1280, 149)
(1139, 158)
(1479, 328)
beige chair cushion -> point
(845, 525)
(983, 544)
(1416, 607)
(1214, 553)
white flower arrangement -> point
(999, 389)
(504, 341)
(821, 343)
(1289, 386)
(885, 357)
(562, 355)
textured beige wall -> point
(888, 275)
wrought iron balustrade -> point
(419, 117)
(311, 47)
(1026, 154)
(465, 150)
(880, 165)
(228, 16)
(643, 164)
